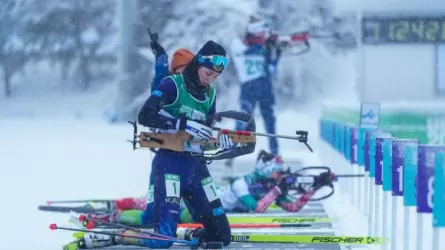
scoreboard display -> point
(403, 30)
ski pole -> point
(90, 223)
(250, 225)
(338, 175)
(55, 227)
(197, 225)
(78, 201)
(153, 36)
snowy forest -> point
(78, 43)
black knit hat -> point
(190, 72)
(211, 48)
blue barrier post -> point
(360, 147)
(353, 148)
(367, 181)
(354, 145)
(397, 173)
(387, 185)
(378, 165)
(425, 179)
(373, 205)
(410, 155)
(361, 164)
(438, 199)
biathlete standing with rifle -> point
(256, 58)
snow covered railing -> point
(403, 193)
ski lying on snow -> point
(277, 219)
(273, 236)
(304, 239)
(309, 239)
(278, 214)
(247, 223)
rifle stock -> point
(177, 141)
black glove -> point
(212, 119)
(285, 183)
(286, 172)
(265, 156)
(323, 179)
(272, 41)
(156, 48)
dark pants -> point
(179, 175)
(261, 91)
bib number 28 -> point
(254, 66)
(172, 185)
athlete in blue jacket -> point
(256, 60)
(180, 59)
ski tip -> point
(53, 226)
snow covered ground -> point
(66, 158)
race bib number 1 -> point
(209, 188)
(172, 185)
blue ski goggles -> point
(217, 63)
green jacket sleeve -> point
(249, 202)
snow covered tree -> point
(154, 14)
(190, 23)
(77, 36)
(13, 53)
